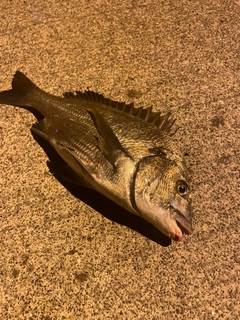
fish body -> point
(123, 152)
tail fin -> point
(19, 94)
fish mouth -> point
(183, 223)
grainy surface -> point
(60, 258)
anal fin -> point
(74, 171)
(77, 170)
(38, 128)
(66, 173)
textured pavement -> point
(68, 253)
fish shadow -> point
(98, 202)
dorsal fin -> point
(163, 122)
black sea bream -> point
(123, 152)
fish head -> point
(162, 195)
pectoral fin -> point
(108, 143)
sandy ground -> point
(67, 253)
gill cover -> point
(161, 195)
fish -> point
(124, 152)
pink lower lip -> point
(178, 239)
(178, 236)
(183, 223)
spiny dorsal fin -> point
(163, 122)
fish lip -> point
(183, 223)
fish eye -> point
(182, 188)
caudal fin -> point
(19, 95)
